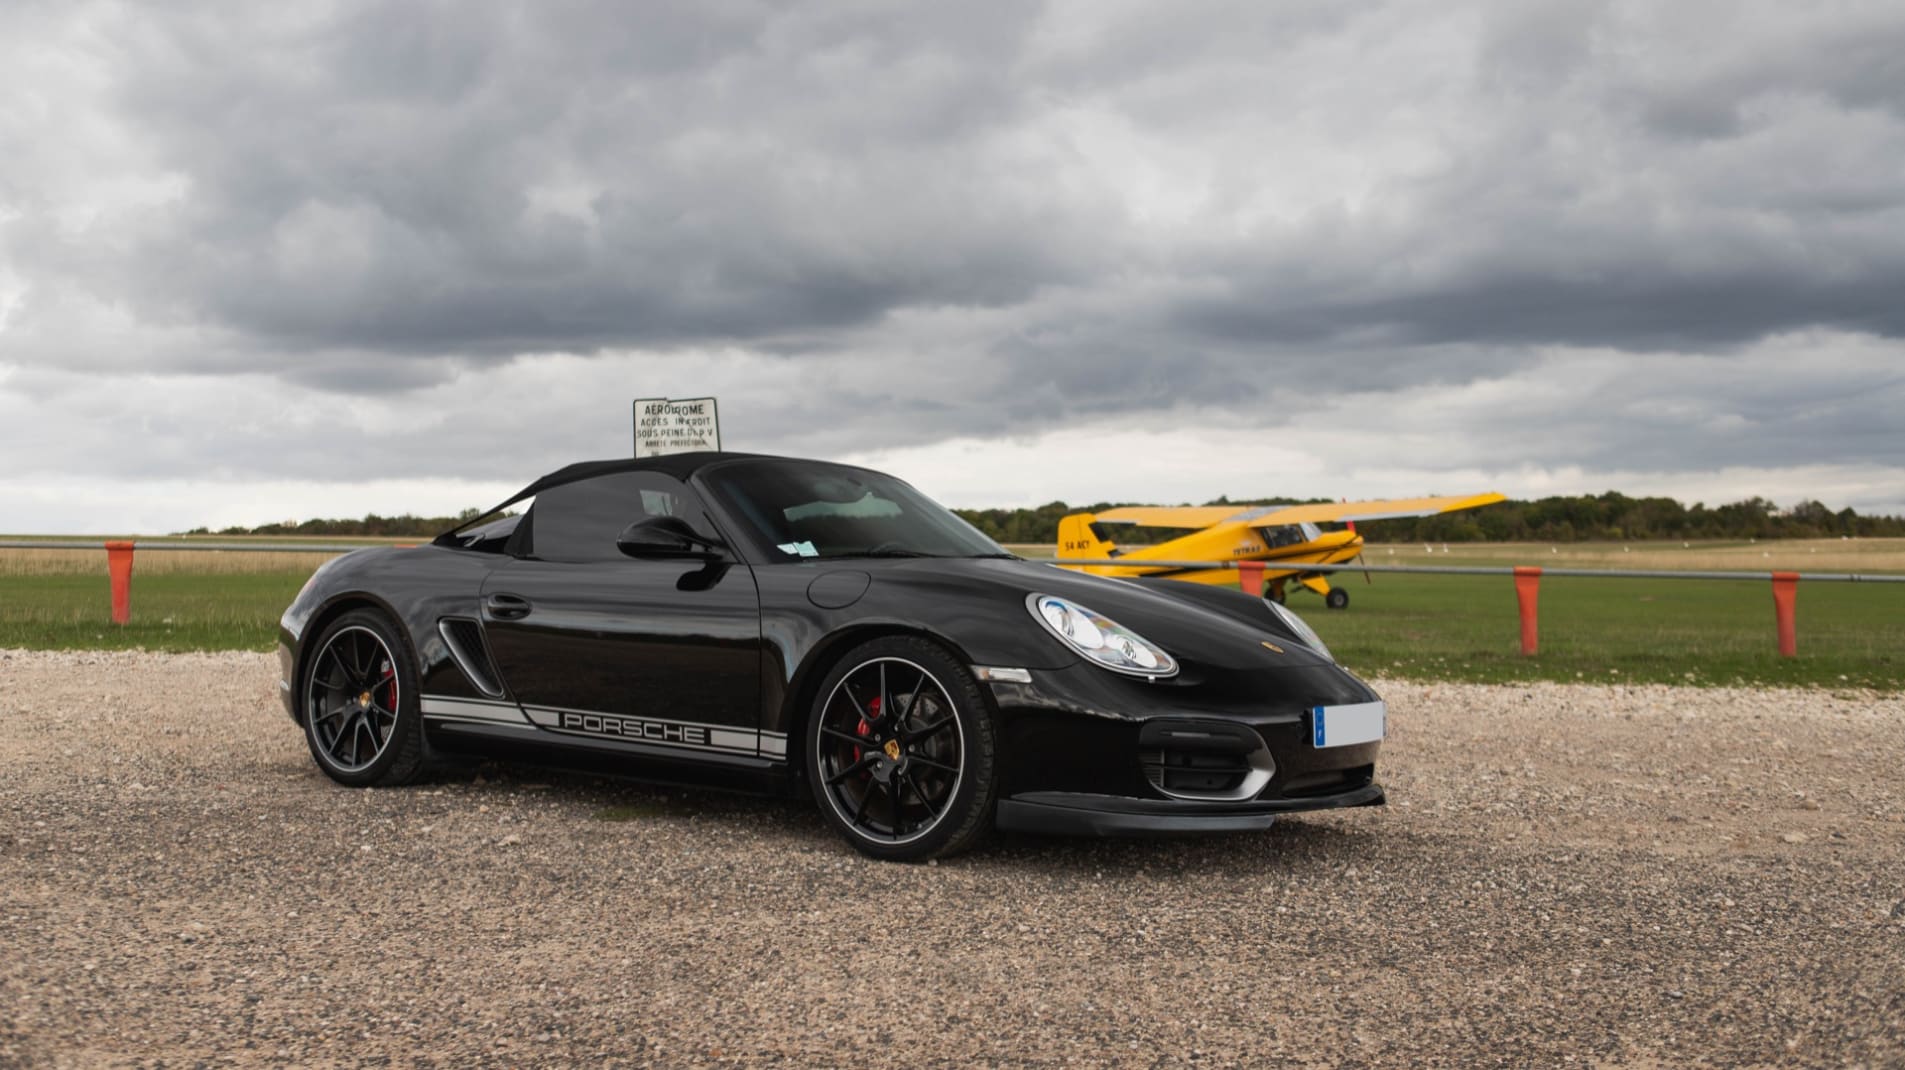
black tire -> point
(1337, 598)
(900, 751)
(358, 698)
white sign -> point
(683, 425)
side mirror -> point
(664, 536)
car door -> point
(661, 654)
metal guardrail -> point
(1112, 562)
(1478, 570)
(163, 544)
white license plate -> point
(1342, 726)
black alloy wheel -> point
(359, 701)
(900, 751)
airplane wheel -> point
(1337, 598)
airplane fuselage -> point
(1235, 544)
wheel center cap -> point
(892, 749)
(363, 701)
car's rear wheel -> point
(899, 750)
(359, 700)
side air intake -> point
(1213, 760)
(464, 637)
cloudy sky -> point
(262, 261)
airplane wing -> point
(1336, 512)
(1172, 516)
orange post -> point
(1785, 593)
(119, 564)
(1528, 595)
(1250, 577)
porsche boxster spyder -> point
(815, 628)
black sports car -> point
(808, 627)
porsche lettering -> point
(632, 728)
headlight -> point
(1099, 638)
(1303, 631)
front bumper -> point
(1087, 752)
(1070, 813)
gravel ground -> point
(1566, 875)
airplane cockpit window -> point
(1286, 535)
(1311, 532)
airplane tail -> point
(1076, 538)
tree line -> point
(1581, 518)
(405, 526)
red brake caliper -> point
(865, 727)
(392, 670)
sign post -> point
(680, 425)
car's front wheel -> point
(362, 719)
(900, 751)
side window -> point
(578, 522)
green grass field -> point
(1423, 627)
(170, 611)
(1658, 631)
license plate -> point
(1342, 726)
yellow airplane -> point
(1277, 535)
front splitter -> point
(1079, 814)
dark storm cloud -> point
(1646, 185)
(489, 179)
(922, 222)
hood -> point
(1201, 626)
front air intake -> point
(1216, 761)
(464, 637)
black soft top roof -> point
(679, 465)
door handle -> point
(506, 607)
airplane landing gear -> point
(1275, 593)
(1337, 598)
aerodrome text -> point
(633, 728)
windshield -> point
(800, 510)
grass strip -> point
(1419, 627)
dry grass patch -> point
(1799, 555)
(18, 562)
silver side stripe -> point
(732, 739)
(689, 735)
(440, 708)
